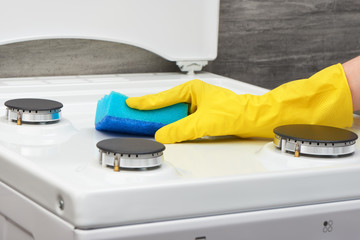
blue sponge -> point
(112, 114)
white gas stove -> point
(53, 185)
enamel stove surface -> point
(55, 167)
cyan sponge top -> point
(113, 114)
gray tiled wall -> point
(263, 42)
(269, 42)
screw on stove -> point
(61, 203)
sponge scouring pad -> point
(113, 114)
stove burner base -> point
(314, 140)
(130, 153)
(33, 110)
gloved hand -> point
(324, 99)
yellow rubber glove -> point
(324, 99)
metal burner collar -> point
(130, 161)
(314, 148)
(32, 116)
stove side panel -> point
(22, 219)
(331, 221)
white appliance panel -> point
(319, 221)
(178, 30)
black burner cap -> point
(130, 146)
(33, 104)
(315, 133)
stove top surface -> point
(57, 165)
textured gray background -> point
(263, 42)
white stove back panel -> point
(177, 30)
(57, 165)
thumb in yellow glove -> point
(323, 99)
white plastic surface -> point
(207, 177)
(177, 30)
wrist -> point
(352, 73)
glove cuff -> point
(323, 99)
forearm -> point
(352, 72)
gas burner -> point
(33, 110)
(314, 140)
(130, 153)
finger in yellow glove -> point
(323, 99)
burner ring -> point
(130, 153)
(33, 110)
(314, 140)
